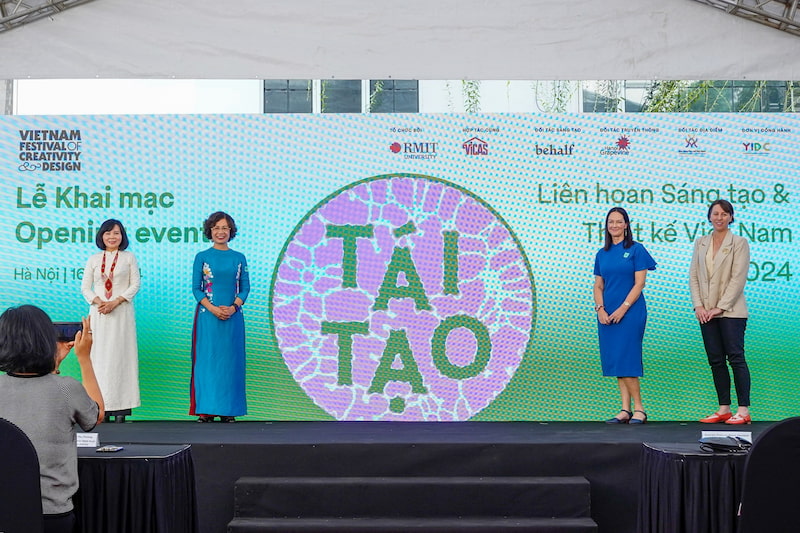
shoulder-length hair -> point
(212, 220)
(725, 205)
(627, 239)
(27, 340)
(107, 226)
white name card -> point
(88, 440)
(746, 435)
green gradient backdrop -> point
(550, 177)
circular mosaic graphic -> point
(402, 297)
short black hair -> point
(27, 340)
(212, 220)
(724, 204)
(107, 226)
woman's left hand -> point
(616, 316)
(106, 307)
(62, 350)
(227, 311)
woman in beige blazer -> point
(717, 277)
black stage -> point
(609, 456)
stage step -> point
(449, 503)
(412, 496)
(417, 525)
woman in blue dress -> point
(620, 270)
(220, 284)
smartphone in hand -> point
(65, 331)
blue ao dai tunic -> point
(218, 346)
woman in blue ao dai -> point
(620, 270)
(220, 284)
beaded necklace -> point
(109, 279)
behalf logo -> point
(417, 150)
(402, 298)
(691, 147)
(476, 146)
(50, 150)
(621, 147)
(566, 149)
(756, 148)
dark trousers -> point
(724, 340)
(59, 523)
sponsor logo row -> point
(62, 150)
(690, 145)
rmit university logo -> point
(415, 150)
(402, 297)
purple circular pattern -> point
(494, 289)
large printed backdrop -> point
(413, 267)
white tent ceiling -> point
(412, 39)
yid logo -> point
(402, 297)
(756, 148)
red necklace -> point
(108, 283)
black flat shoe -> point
(205, 419)
(228, 419)
(616, 420)
(637, 420)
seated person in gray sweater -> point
(47, 406)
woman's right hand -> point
(700, 314)
(223, 312)
(83, 348)
(704, 316)
(83, 339)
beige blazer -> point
(724, 288)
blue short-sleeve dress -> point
(621, 343)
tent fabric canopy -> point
(415, 39)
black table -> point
(144, 488)
(687, 490)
